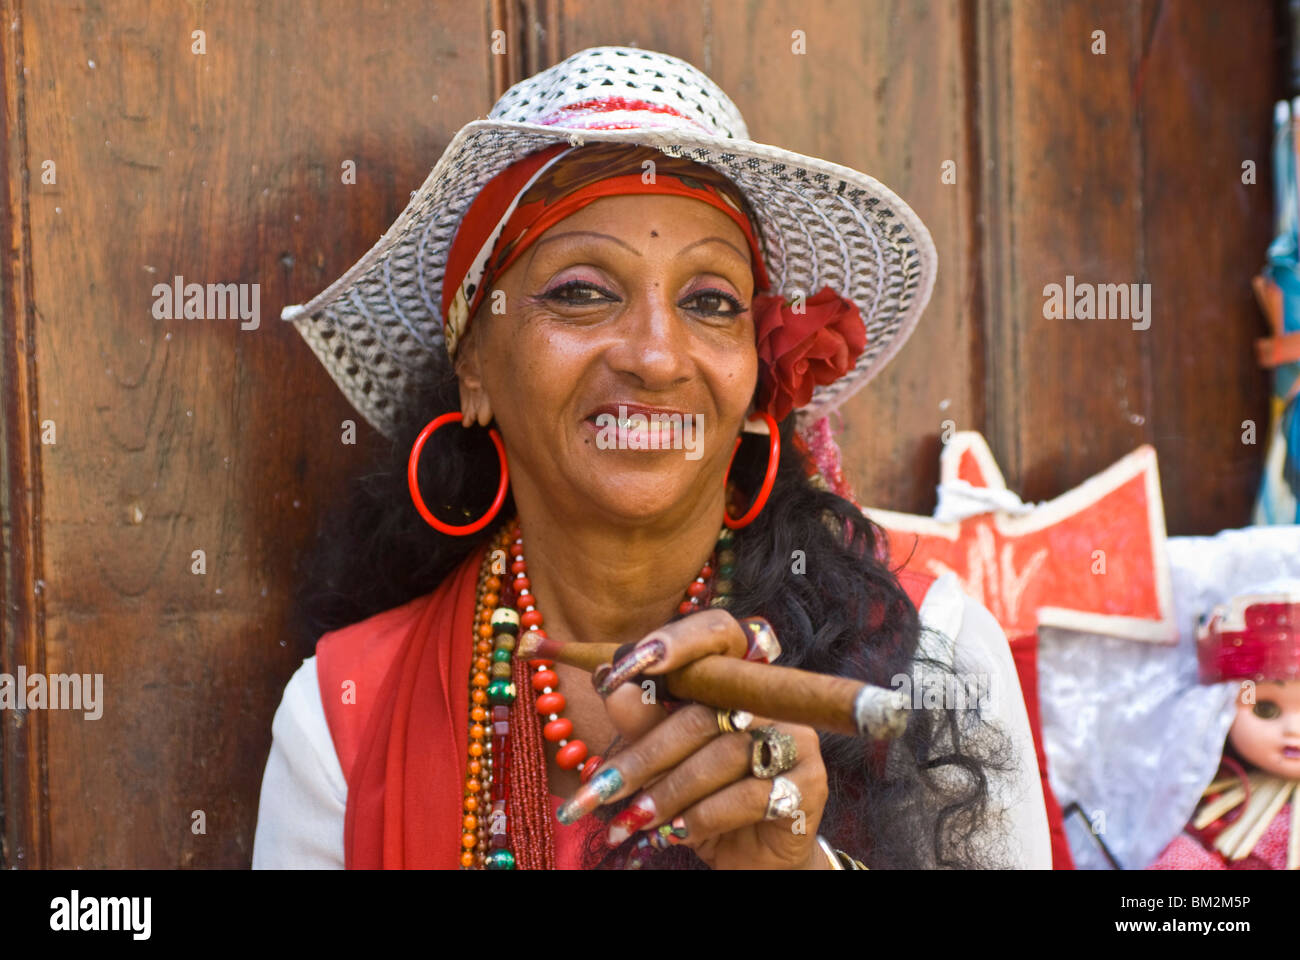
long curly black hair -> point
(842, 612)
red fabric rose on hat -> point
(800, 351)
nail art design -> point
(597, 790)
(647, 654)
(599, 674)
(636, 816)
(660, 838)
(668, 834)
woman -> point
(619, 315)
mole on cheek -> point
(654, 233)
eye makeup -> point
(577, 292)
(712, 293)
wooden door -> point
(161, 480)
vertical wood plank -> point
(1207, 86)
(24, 812)
(1100, 166)
(183, 435)
(543, 27)
(679, 28)
(1067, 396)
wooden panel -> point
(1207, 91)
(1096, 166)
(1067, 397)
(180, 435)
(680, 28)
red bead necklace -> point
(503, 610)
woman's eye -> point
(578, 292)
(712, 302)
(1267, 710)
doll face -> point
(1267, 730)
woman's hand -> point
(693, 784)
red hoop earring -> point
(412, 468)
(769, 478)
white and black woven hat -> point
(378, 329)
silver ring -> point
(784, 800)
(773, 752)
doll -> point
(1249, 817)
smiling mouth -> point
(647, 433)
(623, 423)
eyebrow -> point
(586, 233)
(743, 254)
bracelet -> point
(830, 854)
(838, 858)
(850, 863)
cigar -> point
(785, 694)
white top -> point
(304, 793)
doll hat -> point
(378, 328)
(1255, 636)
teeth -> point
(636, 423)
(629, 423)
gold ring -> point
(734, 721)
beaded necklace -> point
(503, 608)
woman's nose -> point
(653, 342)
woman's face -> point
(640, 301)
(1267, 730)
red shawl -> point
(395, 689)
(397, 748)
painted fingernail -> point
(599, 674)
(763, 645)
(668, 834)
(647, 654)
(636, 816)
(597, 790)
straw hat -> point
(378, 328)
